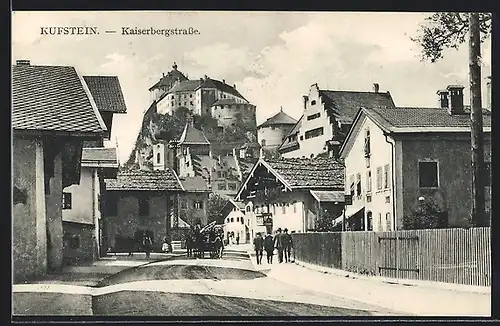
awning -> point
(349, 213)
(328, 196)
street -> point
(182, 286)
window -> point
(172, 103)
(190, 95)
(314, 133)
(242, 221)
(198, 205)
(351, 187)
(369, 218)
(368, 181)
(191, 103)
(184, 204)
(358, 184)
(487, 174)
(313, 102)
(428, 174)
(367, 144)
(232, 219)
(143, 206)
(263, 142)
(66, 200)
(237, 219)
(386, 176)
(380, 222)
(158, 158)
(313, 116)
(184, 103)
(248, 208)
(283, 208)
(227, 220)
(232, 186)
(301, 137)
(221, 186)
(388, 221)
(379, 178)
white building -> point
(272, 132)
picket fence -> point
(461, 256)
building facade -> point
(47, 147)
(229, 112)
(137, 202)
(326, 119)
(394, 157)
(282, 194)
(236, 223)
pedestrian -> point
(269, 247)
(288, 245)
(278, 244)
(164, 246)
(147, 243)
(238, 239)
(258, 244)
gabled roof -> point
(99, 156)
(295, 130)
(191, 135)
(141, 180)
(280, 118)
(194, 184)
(186, 85)
(169, 79)
(344, 105)
(403, 120)
(226, 101)
(53, 98)
(107, 93)
(297, 173)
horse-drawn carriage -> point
(207, 239)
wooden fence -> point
(461, 256)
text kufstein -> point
(68, 30)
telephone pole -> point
(476, 115)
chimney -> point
(224, 81)
(234, 86)
(456, 99)
(22, 62)
(205, 77)
(305, 99)
(163, 74)
(376, 87)
(488, 93)
(174, 66)
(443, 98)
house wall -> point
(237, 226)
(53, 201)
(159, 157)
(79, 243)
(454, 172)
(227, 115)
(355, 162)
(273, 135)
(315, 145)
(128, 220)
(29, 238)
(187, 210)
(82, 199)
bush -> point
(425, 216)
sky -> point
(272, 57)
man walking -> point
(278, 243)
(269, 247)
(288, 243)
(147, 244)
(258, 244)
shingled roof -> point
(107, 93)
(186, 85)
(99, 155)
(53, 98)
(191, 135)
(280, 118)
(169, 79)
(194, 184)
(315, 173)
(344, 105)
(141, 180)
(291, 143)
(423, 117)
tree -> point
(425, 216)
(449, 30)
(215, 205)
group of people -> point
(198, 242)
(282, 242)
(143, 240)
